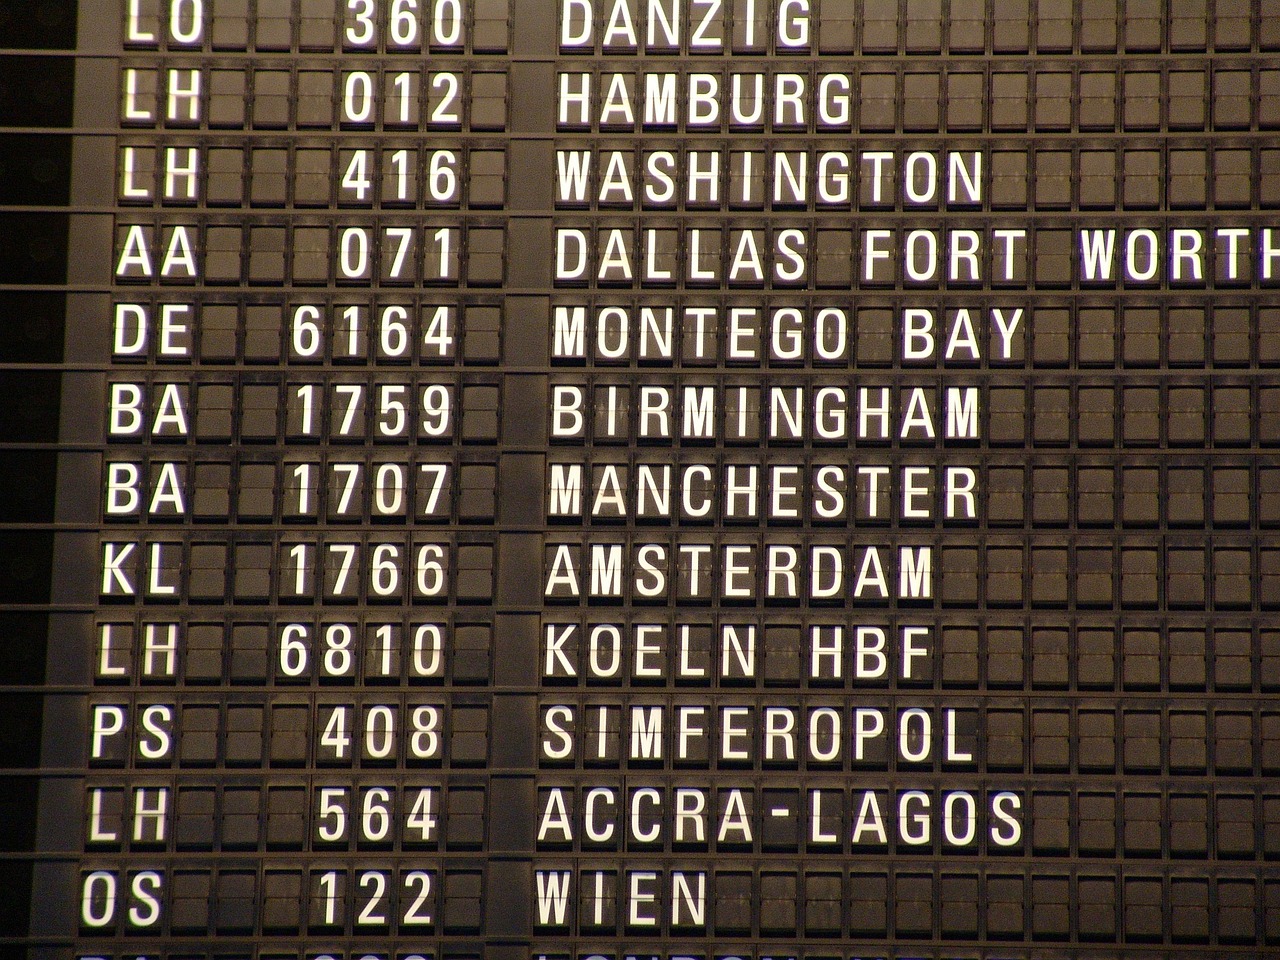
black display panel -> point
(573, 479)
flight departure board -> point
(640, 479)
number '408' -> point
(403, 22)
(377, 736)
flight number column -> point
(291, 650)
